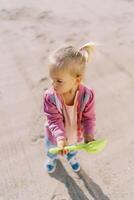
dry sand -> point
(29, 31)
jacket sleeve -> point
(54, 118)
(88, 115)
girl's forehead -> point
(60, 74)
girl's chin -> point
(59, 92)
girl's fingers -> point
(63, 152)
(66, 151)
(60, 152)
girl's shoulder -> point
(84, 90)
(52, 98)
(48, 95)
(86, 96)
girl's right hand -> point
(61, 144)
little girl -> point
(68, 104)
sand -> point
(29, 32)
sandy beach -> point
(29, 32)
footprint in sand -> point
(41, 36)
(17, 14)
(25, 14)
(45, 15)
(71, 37)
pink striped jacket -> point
(53, 104)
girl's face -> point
(63, 81)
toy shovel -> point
(91, 147)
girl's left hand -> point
(61, 144)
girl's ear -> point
(79, 79)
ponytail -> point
(86, 50)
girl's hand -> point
(88, 138)
(61, 144)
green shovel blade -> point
(91, 147)
(95, 146)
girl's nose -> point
(54, 85)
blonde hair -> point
(62, 59)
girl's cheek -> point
(59, 90)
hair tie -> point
(84, 54)
(87, 50)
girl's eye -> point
(59, 81)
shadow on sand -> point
(74, 190)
